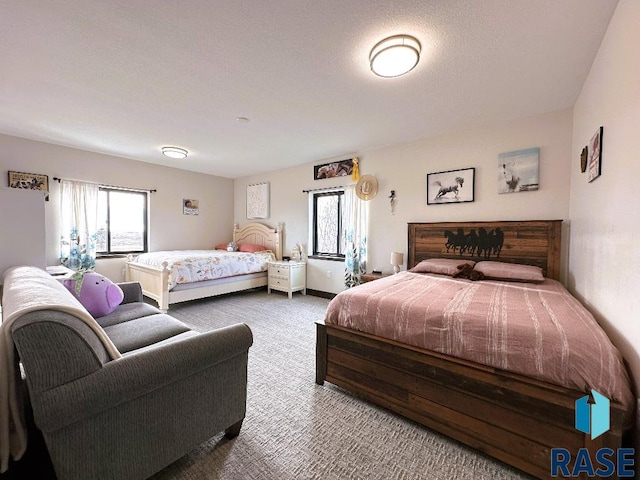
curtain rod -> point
(325, 188)
(57, 179)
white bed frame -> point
(155, 282)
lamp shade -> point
(397, 258)
(395, 56)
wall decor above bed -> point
(258, 200)
(518, 170)
(452, 186)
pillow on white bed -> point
(251, 247)
(510, 272)
(443, 266)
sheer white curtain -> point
(79, 224)
(355, 221)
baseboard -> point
(319, 293)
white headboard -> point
(260, 235)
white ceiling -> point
(127, 77)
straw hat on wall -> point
(367, 187)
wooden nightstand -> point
(370, 277)
(287, 277)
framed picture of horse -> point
(452, 186)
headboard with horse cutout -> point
(531, 242)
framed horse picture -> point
(452, 186)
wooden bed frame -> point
(511, 417)
(155, 282)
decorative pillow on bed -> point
(443, 266)
(510, 272)
(99, 295)
(251, 247)
(221, 246)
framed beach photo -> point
(518, 170)
(452, 186)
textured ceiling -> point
(127, 77)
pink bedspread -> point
(537, 330)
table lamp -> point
(397, 258)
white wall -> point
(403, 168)
(169, 228)
(21, 224)
(604, 256)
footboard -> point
(513, 418)
(154, 282)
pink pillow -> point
(251, 247)
(513, 272)
(221, 246)
(99, 295)
(442, 266)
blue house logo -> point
(592, 416)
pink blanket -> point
(537, 330)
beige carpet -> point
(295, 429)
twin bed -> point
(178, 276)
(496, 364)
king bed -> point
(497, 363)
(178, 276)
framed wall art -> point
(29, 181)
(342, 168)
(518, 170)
(258, 200)
(452, 186)
(594, 156)
(190, 206)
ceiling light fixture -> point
(174, 152)
(395, 56)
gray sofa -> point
(128, 418)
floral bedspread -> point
(187, 266)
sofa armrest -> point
(138, 374)
(132, 292)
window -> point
(327, 224)
(122, 221)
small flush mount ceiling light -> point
(174, 152)
(395, 56)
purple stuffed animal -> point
(99, 295)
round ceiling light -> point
(174, 152)
(395, 56)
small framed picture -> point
(189, 206)
(30, 181)
(594, 156)
(452, 186)
(518, 170)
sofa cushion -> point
(175, 338)
(126, 312)
(144, 331)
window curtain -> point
(354, 225)
(79, 215)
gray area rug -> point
(295, 429)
